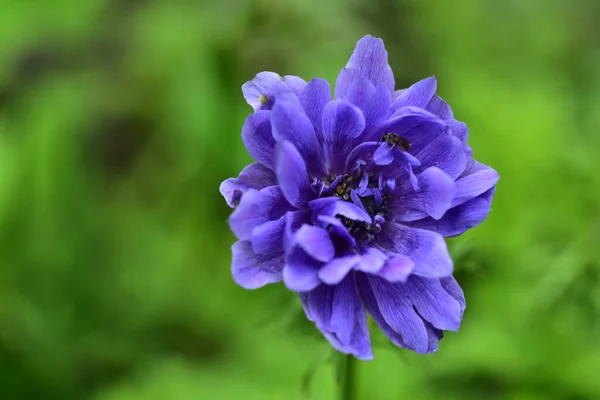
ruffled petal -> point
(292, 175)
(445, 152)
(434, 303)
(427, 249)
(369, 60)
(459, 219)
(256, 208)
(342, 124)
(315, 242)
(254, 176)
(251, 270)
(313, 99)
(391, 308)
(257, 136)
(411, 123)
(419, 94)
(300, 272)
(290, 123)
(433, 197)
(397, 268)
(373, 101)
(261, 92)
(337, 311)
(477, 179)
(267, 238)
(439, 107)
(334, 271)
(333, 206)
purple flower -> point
(350, 199)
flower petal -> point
(369, 60)
(460, 218)
(476, 180)
(254, 176)
(251, 270)
(339, 314)
(373, 101)
(396, 312)
(433, 197)
(313, 99)
(439, 107)
(315, 242)
(290, 123)
(434, 303)
(300, 272)
(256, 208)
(332, 206)
(397, 268)
(260, 93)
(411, 123)
(334, 271)
(292, 175)
(268, 237)
(427, 249)
(342, 124)
(453, 288)
(417, 95)
(445, 152)
(372, 260)
(258, 139)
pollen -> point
(263, 99)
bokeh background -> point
(120, 118)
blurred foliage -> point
(119, 119)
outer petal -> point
(256, 208)
(338, 313)
(412, 124)
(369, 60)
(268, 237)
(433, 198)
(290, 123)
(427, 249)
(477, 179)
(439, 107)
(445, 152)
(394, 313)
(257, 136)
(334, 271)
(460, 218)
(260, 93)
(313, 99)
(373, 101)
(342, 125)
(251, 270)
(292, 175)
(300, 272)
(254, 176)
(418, 95)
(434, 303)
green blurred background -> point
(119, 119)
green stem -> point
(348, 378)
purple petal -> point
(372, 260)
(290, 123)
(338, 313)
(369, 60)
(397, 312)
(251, 270)
(256, 208)
(374, 102)
(361, 154)
(342, 124)
(315, 242)
(292, 175)
(433, 198)
(257, 137)
(260, 93)
(427, 249)
(335, 226)
(396, 269)
(254, 176)
(460, 130)
(417, 95)
(332, 206)
(268, 237)
(313, 99)
(445, 152)
(434, 336)
(477, 180)
(300, 272)
(439, 107)
(407, 124)
(460, 218)
(293, 221)
(434, 303)
(337, 269)
(453, 288)
(383, 155)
